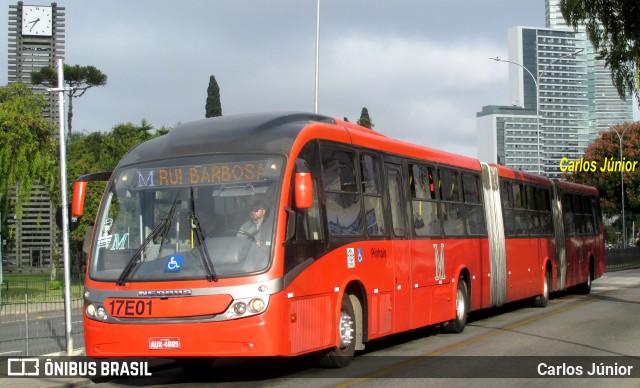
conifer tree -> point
(364, 119)
(213, 107)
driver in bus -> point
(253, 228)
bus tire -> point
(457, 324)
(543, 299)
(341, 356)
(585, 288)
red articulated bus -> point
(285, 234)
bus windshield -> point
(205, 217)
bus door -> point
(400, 247)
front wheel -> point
(457, 324)
(341, 356)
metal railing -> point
(622, 258)
(32, 316)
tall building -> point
(555, 79)
(36, 40)
(606, 108)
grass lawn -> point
(37, 286)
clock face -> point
(37, 20)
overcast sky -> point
(421, 67)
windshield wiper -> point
(161, 227)
(202, 246)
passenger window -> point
(341, 192)
(449, 185)
(373, 209)
(338, 171)
(507, 203)
(424, 208)
(453, 212)
(422, 182)
(471, 188)
(474, 217)
(394, 184)
(567, 210)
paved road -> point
(511, 341)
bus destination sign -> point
(232, 172)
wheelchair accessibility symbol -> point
(174, 264)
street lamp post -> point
(536, 81)
(315, 105)
(620, 136)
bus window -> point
(543, 204)
(452, 212)
(373, 210)
(149, 210)
(588, 215)
(425, 209)
(507, 204)
(532, 209)
(520, 212)
(578, 214)
(474, 218)
(567, 210)
(341, 192)
(394, 183)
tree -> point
(606, 147)
(28, 151)
(96, 152)
(213, 106)
(364, 119)
(613, 30)
(78, 80)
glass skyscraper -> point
(565, 86)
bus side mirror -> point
(80, 189)
(303, 190)
(77, 203)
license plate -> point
(164, 343)
(130, 307)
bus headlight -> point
(246, 307)
(101, 313)
(91, 310)
(256, 305)
(240, 308)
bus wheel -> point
(341, 356)
(542, 299)
(457, 324)
(585, 288)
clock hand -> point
(33, 24)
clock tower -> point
(36, 40)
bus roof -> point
(246, 133)
(275, 133)
(576, 187)
(523, 176)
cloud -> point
(420, 91)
